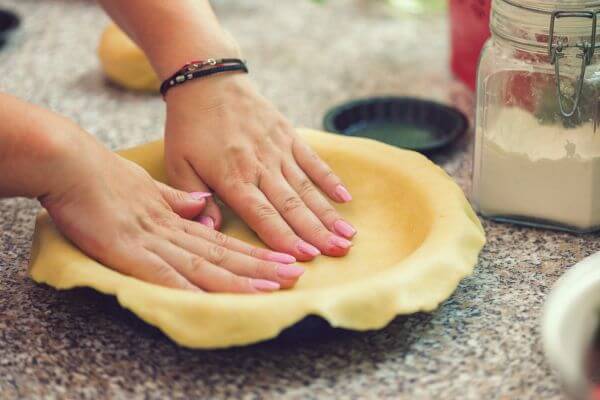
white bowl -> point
(569, 324)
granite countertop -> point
(483, 343)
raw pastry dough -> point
(124, 63)
(418, 237)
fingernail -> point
(200, 195)
(343, 193)
(289, 271)
(264, 286)
(280, 257)
(340, 242)
(205, 220)
(308, 249)
(344, 228)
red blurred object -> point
(596, 393)
(470, 26)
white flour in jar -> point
(528, 170)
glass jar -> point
(537, 148)
(470, 28)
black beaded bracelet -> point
(200, 69)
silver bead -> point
(180, 78)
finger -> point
(238, 263)
(186, 205)
(204, 274)
(313, 198)
(320, 173)
(150, 268)
(254, 208)
(234, 244)
(184, 176)
(304, 222)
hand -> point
(116, 213)
(222, 134)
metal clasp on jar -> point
(555, 51)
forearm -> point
(172, 32)
(34, 148)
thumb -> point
(187, 178)
(186, 205)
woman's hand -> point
(222, 134)
(116, 213)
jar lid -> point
(549, 6)
(529, 22)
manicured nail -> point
(205, 220)
(289, 271)
(344, 228)
(280, 257)
(343, 193)
(308, 249)
(264, 286)
(340, 242)
(200, 195)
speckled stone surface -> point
(483, 343)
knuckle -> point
(164, 272)
(329, 214)
(263, 149)
(153, 223)
(242, 167)
(329, 174)
(198, 265)
(255, 252)
(246, 196)
(186, 227)
(282, 133)
(291, 203)
(318, 229)
(245, 193)
(220, 238)
(314, 156)
(287, 235)
(238, 284)
(235, 150)
(177, 195)
(164, 221)
(217, 254)
(305, 188)
(261, 269)
(147, 223)
(287, 126)
(265, 212)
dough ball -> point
(124, 63)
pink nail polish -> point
(280, 257)
(205, 220)
(200, 195)
(340, 242)
(308, 249)
(289, 271)
(264, 285)
(343, 193)
(344, 228)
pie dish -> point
(418, 237)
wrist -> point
(34, 159)
(68, 162)
(208, 93)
